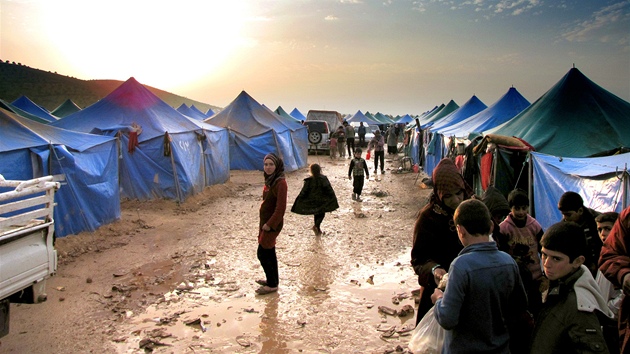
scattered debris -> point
(370, 280)
(243, 342)
(405, 311)
(387, 310)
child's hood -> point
(588, 295)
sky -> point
(391, 56)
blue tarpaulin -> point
(256, 131)
(86, 163)
(173, 157)
(601, 181)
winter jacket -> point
(272, 213)
(568, 321)
(614, 263)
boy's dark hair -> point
(565, 237)
(570, 201)
(359, 150)
(610, 216)
(518, 197)
(316, 170)
(474, 215)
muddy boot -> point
(354, 196)
(359, 198)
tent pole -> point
(179, 194)
(530, 189)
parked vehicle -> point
(27, 253)
(318, 135)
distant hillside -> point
(49, 90)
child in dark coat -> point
(316, 198)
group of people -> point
(513, 287)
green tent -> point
(575, 118)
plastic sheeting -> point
(601, 181)
(87, 163)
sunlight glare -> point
(164, 44)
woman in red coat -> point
(271, 220)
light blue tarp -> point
(255, 131)
(506, 107)
(295, 113)
(25, 104)
(87, 163)
(601, 181)
(190, 113)
(175, 154)
(360, 117)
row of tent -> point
(131, 144)
(563, 141)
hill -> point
(49, 89)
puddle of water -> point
(315, 310)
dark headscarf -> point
(446, 177)
(271, 179)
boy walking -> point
(358, 169)
(484, 294)
(568, 320)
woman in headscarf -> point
(435, 240)
(271, 220)
(316, 198)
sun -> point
(161, 43)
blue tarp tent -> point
(471, 107)
(360, 117)
(190, 113)
(25, 104)
(88, 164)
(575, 118)
(602, 182)
(256, 131)
(174, 156)
(295, 113)
(406, 119)
(508, 106)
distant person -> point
(359, 171)
(484, 290)
(332, 145)
(350, 134)
(435, 240)
(271, 221)
(341, 142)
(572, 208)
(522, 234)
(615, 265)
(568, 320)
(378, 145)
(392, 140)
(317, 198)
(361, 131)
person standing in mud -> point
(317, 197)
(435, 240)
(271, 221)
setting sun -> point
(104, 39)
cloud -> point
(609, 24)
(331, 18)
(516, 7)
(351, 1)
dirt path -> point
(180, 278)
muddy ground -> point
(172, 278)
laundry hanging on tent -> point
(134, 132)
(167, 144)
